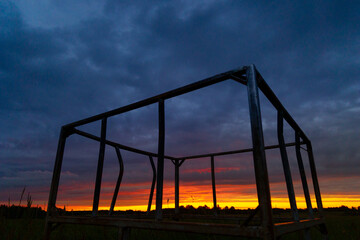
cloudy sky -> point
(61, 61)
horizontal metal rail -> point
(236, 151)
(208, 228)
(135, 150)
(288, 227)
(195, 227)
(114, 144)
(170, 94)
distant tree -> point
(343, 208)
(190, 207)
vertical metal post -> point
(323, 228)
(177, 165)
(160, 162)
(261, 173)
(303, 175)
(314, 177)
(213, 184)
(99, 167)
(121, 173)
(57, 170)
(55, 179)
(152, 184)
(286, 166)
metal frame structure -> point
(266, 229)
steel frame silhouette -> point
(251, 78)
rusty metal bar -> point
(99, 168)
(314, 177)
(259, 158)
(170, 94)
(213, 184)
(123, 147)
(286, 166)
(177, 166)
(160, 161)
(303, 176)
(152, 184)
(121, 173)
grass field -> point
(341, 225)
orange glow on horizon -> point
(238, 196)
(328, 202)
(134, 196)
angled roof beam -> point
(270, 95)
(170, 94)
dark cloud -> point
(79, 59)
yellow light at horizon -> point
(331, 201)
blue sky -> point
(61, 61)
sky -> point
(62, 61)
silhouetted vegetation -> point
(16, 212)
(24, 222)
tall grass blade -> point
(22, 195)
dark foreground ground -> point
(22, 223)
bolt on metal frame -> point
(251, 78)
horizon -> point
(144, 210)
(249, 201)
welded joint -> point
(177, 163)
(181, 162)
(67, 131)
(239, 79)
(303, 148)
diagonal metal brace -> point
(152, 184)
(252, 215)
(121, 173)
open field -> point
(341, 223)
